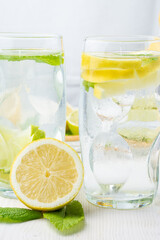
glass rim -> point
(123, 38)
(26, 35)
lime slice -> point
(69, 110)
(73, 123)
(144, 115)
(139, 134)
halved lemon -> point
(47, 174)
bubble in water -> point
(110, 159)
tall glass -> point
(32, 95)
(120, 120)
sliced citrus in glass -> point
(103, 75)
(109, 61)
(115, 74)
(47, 174)
(73, 123)
(112, 88)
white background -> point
(75, 19)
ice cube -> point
(106, 109)
(110, 159)
(43, 106)
(112, 108)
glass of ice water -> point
(32, 95)
(120, 120)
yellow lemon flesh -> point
(95, 62)
(73, 123)
(47, 174)
(115, 74)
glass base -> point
(108, 202)
(6, 191)
(7, 194)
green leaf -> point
(87, 85)
(15, 215)
(52, 59)
(66, 217)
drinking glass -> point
(119, 120)
(32, 95)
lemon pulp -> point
(46, 174)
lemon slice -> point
(10, 106)
(47, 174)
(73, 123)
(110, 88)
(103, 75)
(99, 69)
(95, 62)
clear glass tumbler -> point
(32, 95)
(119, 120)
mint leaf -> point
(15, 215)
(54, 60)
(66, 217)
(87, 85)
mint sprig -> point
(66, 217)
(16, 215)
(87, 85)
(51, 59)
(63, 219)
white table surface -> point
(99, 224)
